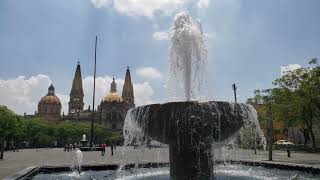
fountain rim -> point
(188, 102)
(30, 172)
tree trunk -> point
(313, 139)
(293, 136)
(2, 147)
(310, 125)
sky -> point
(249, 42)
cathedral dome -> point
(113, 96)
(50, 99)
(49, 104)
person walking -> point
(111, 146)
(103, 149)
(68, 149)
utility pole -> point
(270, 133)
(94, 92)
(234, 88)
(255, 142)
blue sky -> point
(42, 40)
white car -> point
(284, 142)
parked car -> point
(283, 142)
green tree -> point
(297, 95)
(295, 99)
(37, 130)
(8, 126)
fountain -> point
(189, 128)
(84, 141)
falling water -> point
(77, 161)
(188, 54)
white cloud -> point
(22, 94)
(101, 3)
(160, 35)
(64, 99)
(149, 73)
(146, 8)
(143, 93)
(289, 68)
(203, 3)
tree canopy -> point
(295, 99)
(40, 133)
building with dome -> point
(49, 106)
(112, 109)
(110, 112)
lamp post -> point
(94, 93)
(270, 133)
(234, 88)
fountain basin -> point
(190, 129)
(162, 122)
(232, 169)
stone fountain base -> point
(190, 128)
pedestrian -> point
(103, 149)
(68, 149)
(111, 146)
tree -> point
(8, 126)
(296, 99)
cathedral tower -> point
(76, 95)
(127, 92)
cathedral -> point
(110, 112)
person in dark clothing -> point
(68, 148)
(111, 146)
(103, 149)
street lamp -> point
(234, 88)
(94, 93)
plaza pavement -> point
(16, 161)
